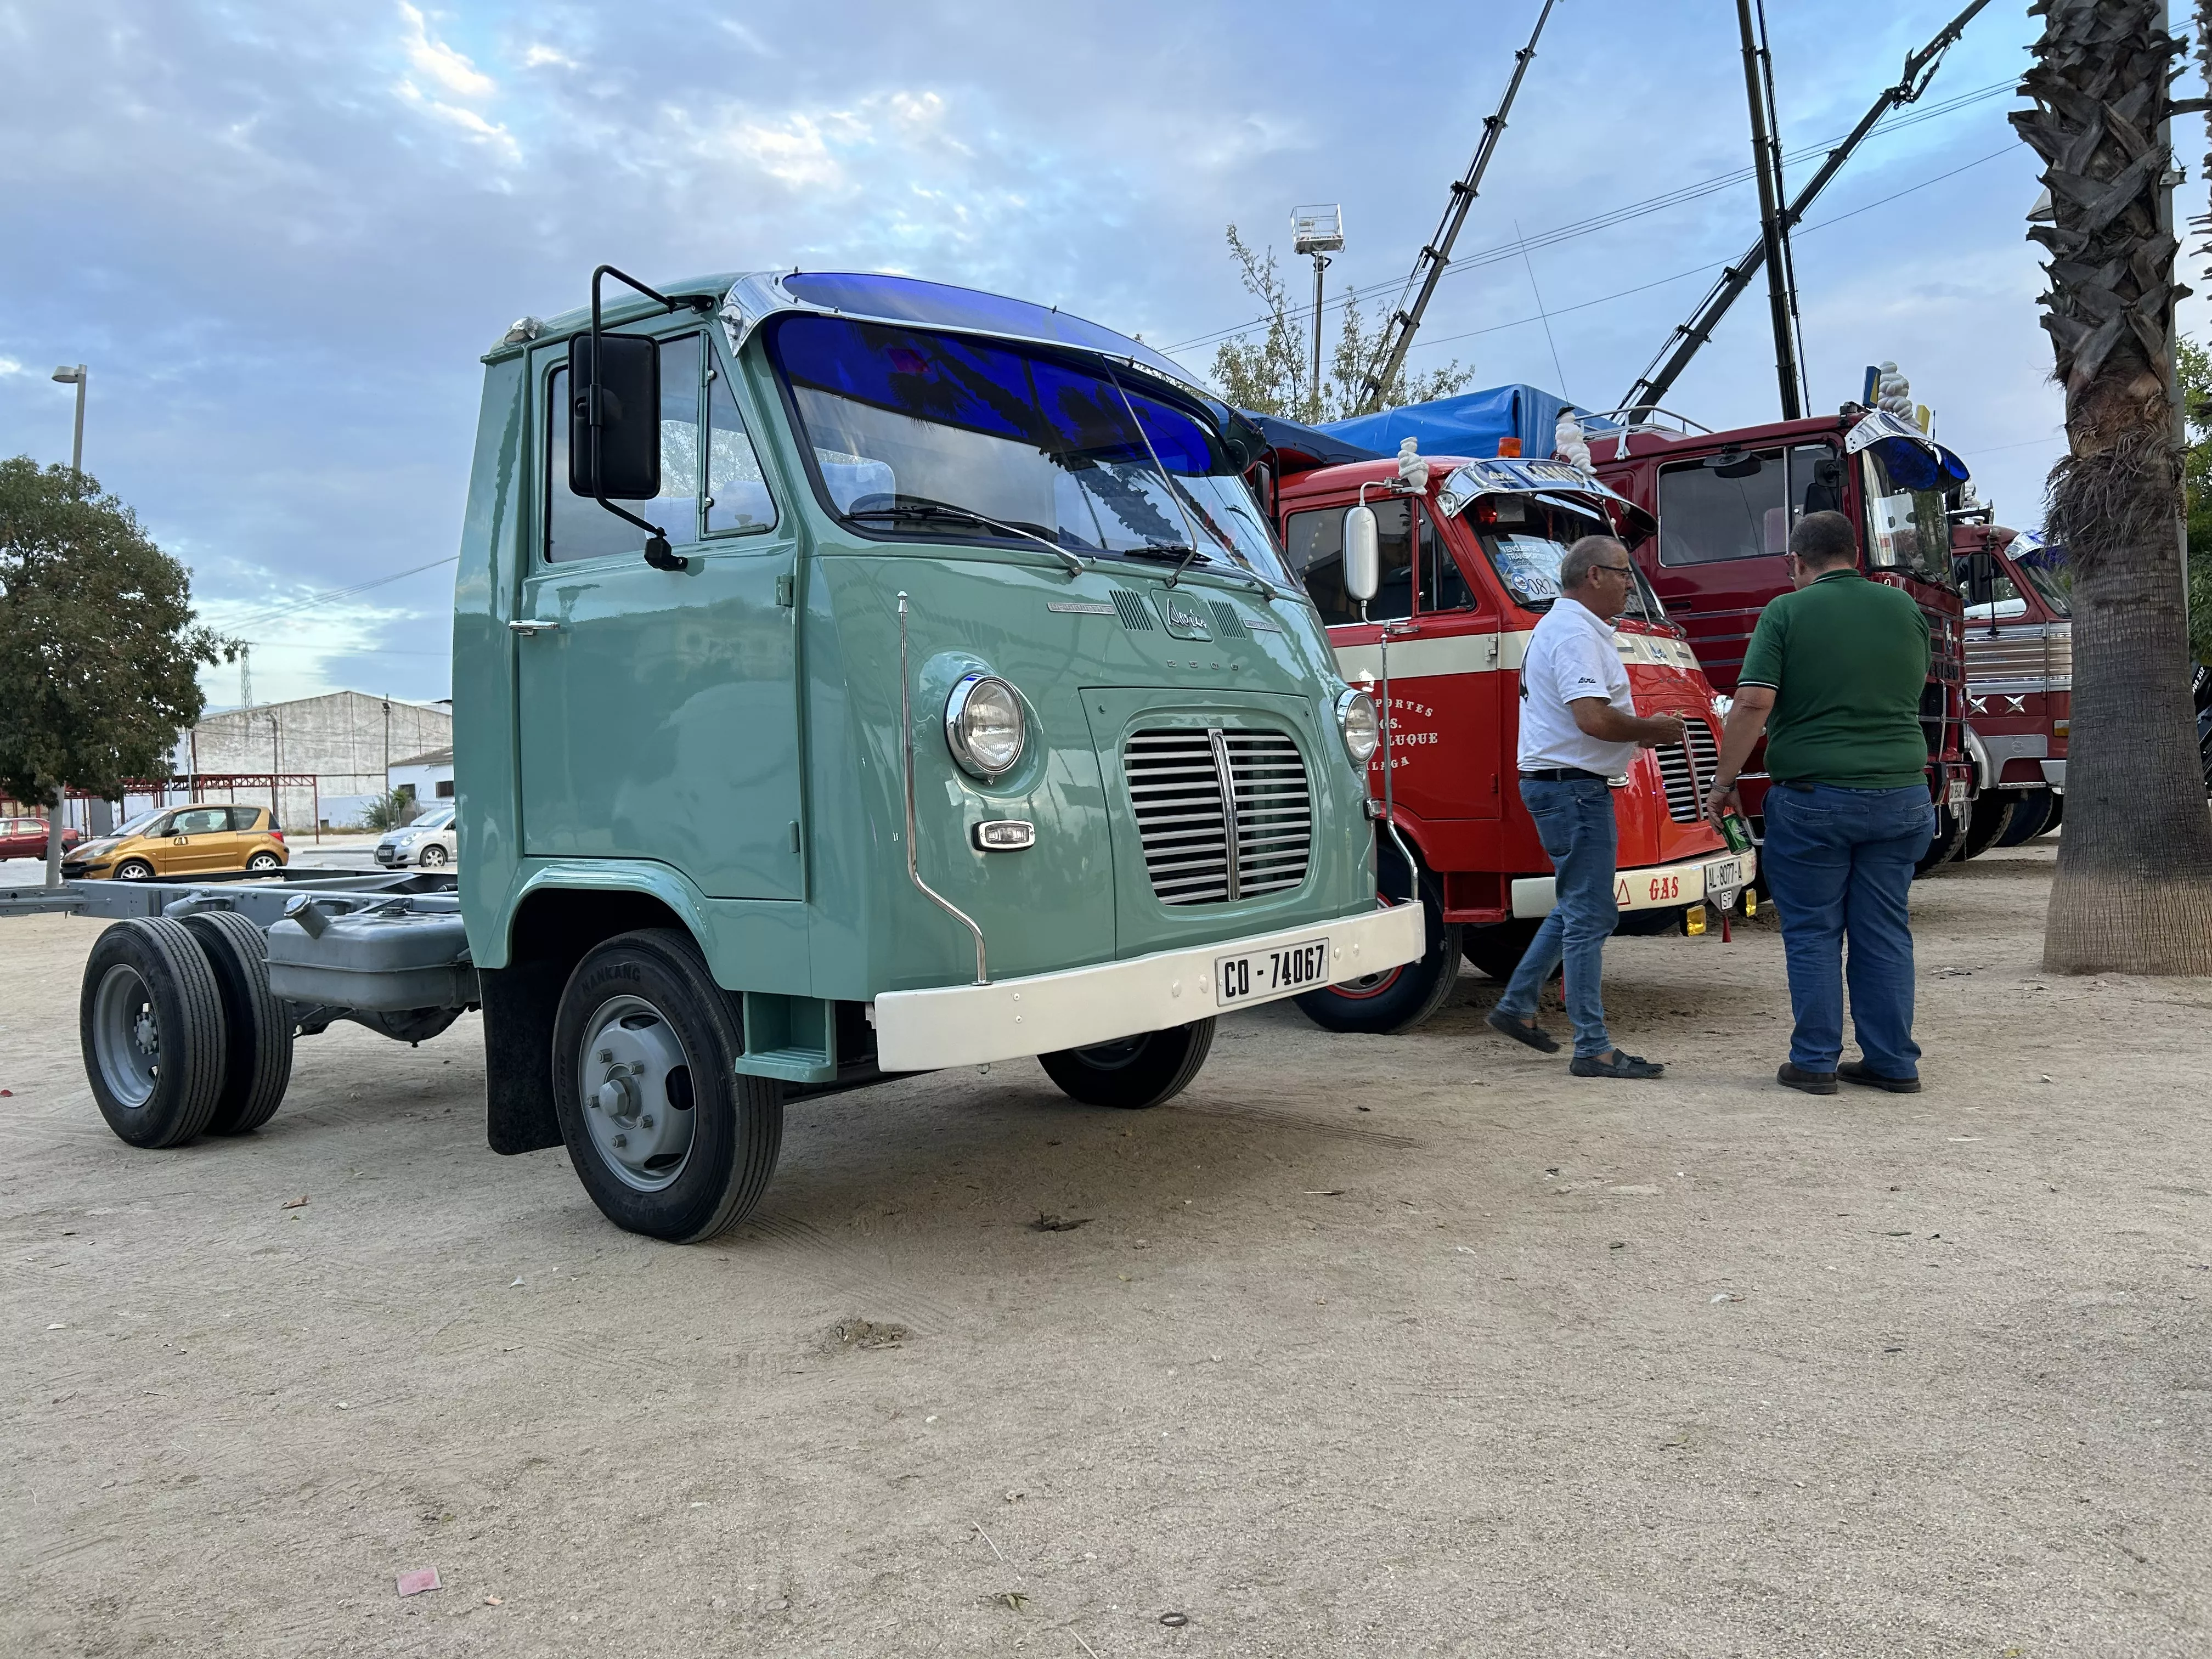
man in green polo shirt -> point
(1832, 678)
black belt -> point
(1562, 774)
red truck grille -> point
(1223, 815)
(1674, 768)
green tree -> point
(98, 651)
(2196, 369)
(2133, 892)
(1274, 374)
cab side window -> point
(1744, 505)
(578, 527)
(202, 821)
(738, 501)
(1411, 551)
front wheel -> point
(1987, 823)
(668, 1137)
(133, 870)
(433, 855)
(1950, 839)
(1398, 998)
(1497, 950)
(2031, 816)
(1133, 1072)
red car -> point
(25, 838)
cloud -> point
(9, 366)
(538, 57)
(439, 61)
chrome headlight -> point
(983, 725)
(1356, 719)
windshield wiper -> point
(909, 508)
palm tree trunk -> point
(2134, 887)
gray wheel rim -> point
(262, 861)
(433, 854)
(125, 1038)
(636, 1081)
(133, 871)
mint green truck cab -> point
(922, 688)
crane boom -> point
(1682, 345)
(1404, 321)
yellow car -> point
(183, 841)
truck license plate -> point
(1959, 797)
(1258, 974)
(1722, 875)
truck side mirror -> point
(624, 394)
(1363, 554)
(1982, 579)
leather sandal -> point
(1622, 1064)
(1532, 1034)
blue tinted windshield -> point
(904, 423)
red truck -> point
(1470, 559)
(2019, 678)
(1726, 502)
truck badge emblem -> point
(1184, 621)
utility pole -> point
(68, 376)
(1763, 158)
(1319, 231)
(1666, 367)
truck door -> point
(1724, 524)
(1446, 711)
(659, 709)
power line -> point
(313, 600)
(1623, 214)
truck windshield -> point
(1527, 536)
(916, 434)
(1907, 528)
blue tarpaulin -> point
(1469, 424)
(1300, 447)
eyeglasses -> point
(1617, 570)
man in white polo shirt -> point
(1579, 727)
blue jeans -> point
(1574, 821)
(1841, 861)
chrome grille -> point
(2021, 658)
(1674, 770)
(1222, 815)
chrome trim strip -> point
(913, 866)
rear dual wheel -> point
(1988, 820)
(181, 1034)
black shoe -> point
(1856, 1070)
(1621, 1064)
(1535, 1036)
(1812, 1083)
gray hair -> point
(1583, 557)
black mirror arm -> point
(657, 553)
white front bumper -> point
(1011, 1019)
(1655, 887)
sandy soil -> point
(1404, 1347)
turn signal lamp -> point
(1509, 449)
(1750, 901)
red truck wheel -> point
(1398, 1001)
(1987, 823)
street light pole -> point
(77, 377)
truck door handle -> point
(528, 629)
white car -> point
(431, 841)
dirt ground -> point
(1374, 1346)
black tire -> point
(1400, 998)
(730, 1125)
(263, 862)
(1988, 821)
(2057, 812)
(433, 856)
(258, 1047)
(1135, 1072)
(134, 870)
(2031, 814)
(150, 1023)
(1497, 950)
(1950, 837)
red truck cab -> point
(1725, 503)
(2020, 678)
(1469, 563)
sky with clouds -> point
(281, 233)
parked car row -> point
(183, 841)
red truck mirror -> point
(1363, 554)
